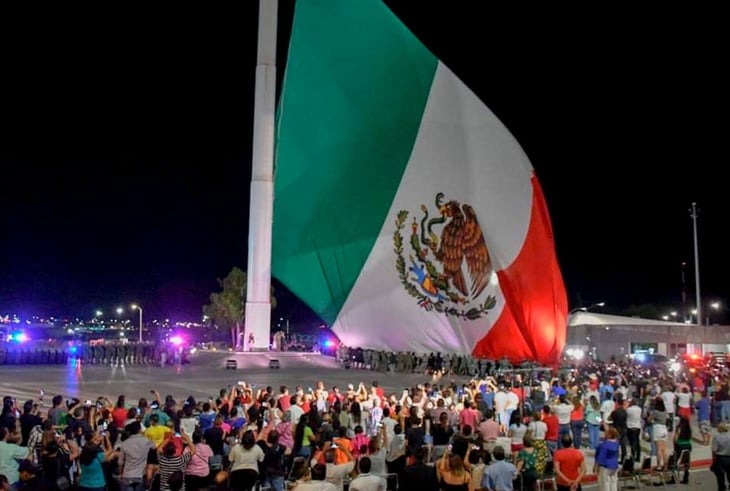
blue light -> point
(73, 349)
(329, 343)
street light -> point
(135, 306)
(586, 309)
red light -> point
(695, 356)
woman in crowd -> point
(517, 430)
(303, 438)
(538, 430)
(95, 452)
(660, 435)
(452, 474)
(593, 420)
(577, 422)
(527, 464)
(683, 441)
(197, 473)
(245, 457)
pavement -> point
(206, 375)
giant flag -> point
(405, 213)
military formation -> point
(90, 353)
(410, 362)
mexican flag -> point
(405, 214)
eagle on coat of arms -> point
(461, 251)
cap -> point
(593, 376)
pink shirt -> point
(489, 429)
(198, 465)
(469, 417)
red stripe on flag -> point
(532, 325)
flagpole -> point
(258, 288)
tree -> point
(227, 308)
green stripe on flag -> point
(355, 89)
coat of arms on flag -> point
(434, 273)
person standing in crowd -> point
(606, 462)
(245, 457)
(10, 454)
(451, 472)
(562, 411)
(570, 466)
(197, 473)
(133, 454)
(577, 422)
(683, 441)
(95, 452)
(633, 429)
(660, 435)
(419, 476)
(527, 464)
(618, 421)
(553, 429)
(721, 456)
(172, 464)
(702, 407)
(593, 420)
(500, 475)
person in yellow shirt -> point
(156, 432)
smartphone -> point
(88, 402)
(334, 445)
(177, 434)
(104, 425)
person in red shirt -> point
(119, 414)
(570, 466)
(553, 428)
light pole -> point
(135, 306)
(693, 213)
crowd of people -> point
(499, 432)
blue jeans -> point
(276, 483)
(577, 429)
(725, 411)
(594, 435)
(564, 430)
(131, 484)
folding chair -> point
(627, 473)
(680, 464)
(649, 472)
(547, 477)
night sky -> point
(126, 148)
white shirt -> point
(683, 399)
(367, 482)
(315, 486)
(538, 428)
(633, 417)
(336, 473)
(669, 398)
(500, 401)
(562, 411)
(607, 408)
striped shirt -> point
(168, 465)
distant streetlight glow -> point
(99, 313)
